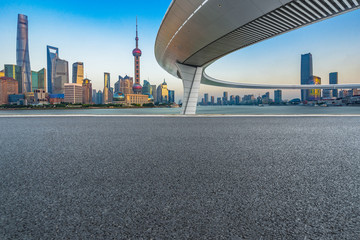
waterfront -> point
(199, 178)
(203, 110)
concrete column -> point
(191, 77)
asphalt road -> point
(180, 178)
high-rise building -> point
(99, 97)
(232, 100)
(225, 98)
(60, 76)
(206, 98)
(22, 52)
(78, 72)
(15, 72)
(162, 93)
(153, 92)
(94, 96)
(73, 93)
(218, 101)
(265, 99)
(171, 96)
(237, 99)
(87, 91)
(137, 54)
(126, 85)
(333, 79)
(212, 100)
(314, 94)
(38, 79)
(146, 89)
(306, 73)
(117, 85)
(106, 93)
(278, 96)
(52, 54)
(8, 86)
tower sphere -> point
(137, 52)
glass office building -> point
(306, 73)
(333, 79)
(78, 72)
(52, 55)
(38, 79)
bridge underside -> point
(195, 33)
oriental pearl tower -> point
(137, 54)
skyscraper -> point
(225, 98)
(171, 96)
(22, 52)
(333, 79)
(78, 73)
(137, 54)
(106, 93)
(87, 91)
(146, 88)
(278, 96)
(38, 79)
(206, 98)
(306, 73)
(60, 76)
(52, 54)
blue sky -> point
(102, 35)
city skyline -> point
(254, 62)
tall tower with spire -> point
(137, 54)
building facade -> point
(73, 93)
(38, 79)
(333, 79)
(171, 94)
(126, 85)
(278, 96)
(146, 89)
(60, 76)
(15, 72)
(78, 72)
(40, 96)
(306, 73)
(22, 52)
(8, 86)
(314, 94)
(162, 93)
(106, 92)
(52, 54)
(87, 91)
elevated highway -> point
(195, 33)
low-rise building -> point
(40, 96)
(8, 86)
(136, 99)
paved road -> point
(180, 178)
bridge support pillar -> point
(191, 77)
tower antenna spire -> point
(137, 37)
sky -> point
(101, 34)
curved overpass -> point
(195, 33)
